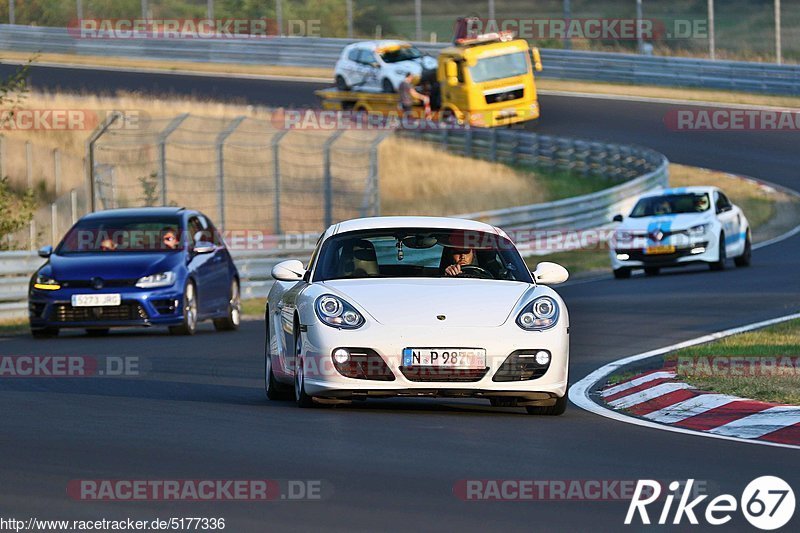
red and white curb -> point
(657, 400)
(658, 396)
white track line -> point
(579, 392)
(656, 100)
(648, 394)
(761, 423)
(689, 408)
(616, 389)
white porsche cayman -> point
(680, 226)
(417, 306)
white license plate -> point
(96, 300)
(445, 357)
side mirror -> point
(45, 251)
(617, 218)
(451, 73)
(204, 247)
(291, 270)
(548, 273)
(536, 59)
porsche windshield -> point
(419, 253)
(117, 235)
(671, 204)
(498, 67)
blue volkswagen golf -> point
(153, 266)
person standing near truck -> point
(408, 94)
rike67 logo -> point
(767, 503)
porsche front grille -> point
(421, 373)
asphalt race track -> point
(198, 410)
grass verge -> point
(778, 346)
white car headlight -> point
(699, 230)
(162, 279)
(542, 313)
(337, 313)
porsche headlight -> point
(45, 283)
(337, 313)
(542, 313)
(697, 231)
(162, 279)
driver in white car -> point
(460, 258)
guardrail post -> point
(276, 174)
(29, 164)
(329, 177)
(468, 142)
(162, 153)
(53, 223)
(57, 170)
(493, 145)
(89, 160)
(73, 205)
(221, 167)
(2, 156)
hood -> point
(665, 223)
(417, 302)
(110, 265)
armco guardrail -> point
(322, 53)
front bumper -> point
(700, 251)
(323, 380)
(502, 116)
(138, 308)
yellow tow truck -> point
(484, 81)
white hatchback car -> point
(381, 311)
(680, 226)
(379, 65)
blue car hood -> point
(111, 265)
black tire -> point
(273, 389)
(341, 84)
(651, 271)
(44, 333)
(97, 332)
(744, 259)
(387, 86)
(719, 264)
(233, 318)
(552, 410)
(300, 396)
(622, 273)
(189, 325)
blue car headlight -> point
(540, 314)
(162, 279)
(337, 313)
(45, 283)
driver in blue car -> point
(460, 257)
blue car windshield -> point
(419, 253)
(119, 235)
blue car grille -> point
(126, 311)
(87, 284)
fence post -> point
(29, 164)
(57, 170)
(493, 146)
(73, 205)
(2, 156)
(89, 160)
(162, 153)
(53, 223)
(329, 177)
(371, 205)
(113, 188)
(32, 235)
(276, 174)
(221, 167)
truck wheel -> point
(387, 86)
(341, 84)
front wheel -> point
(300, 396)
(744, 259)
(719, 264)
(387, 86)
(233, 317)
(341, 84)
(622, 273)
(551, 410)
(272, 389)
(189, 325)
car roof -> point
(680, 190)
(374, 45)
(412, 222)
(144, 212)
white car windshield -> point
(671, 204)
(498, 67)
(419, 253)
(405, 53)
